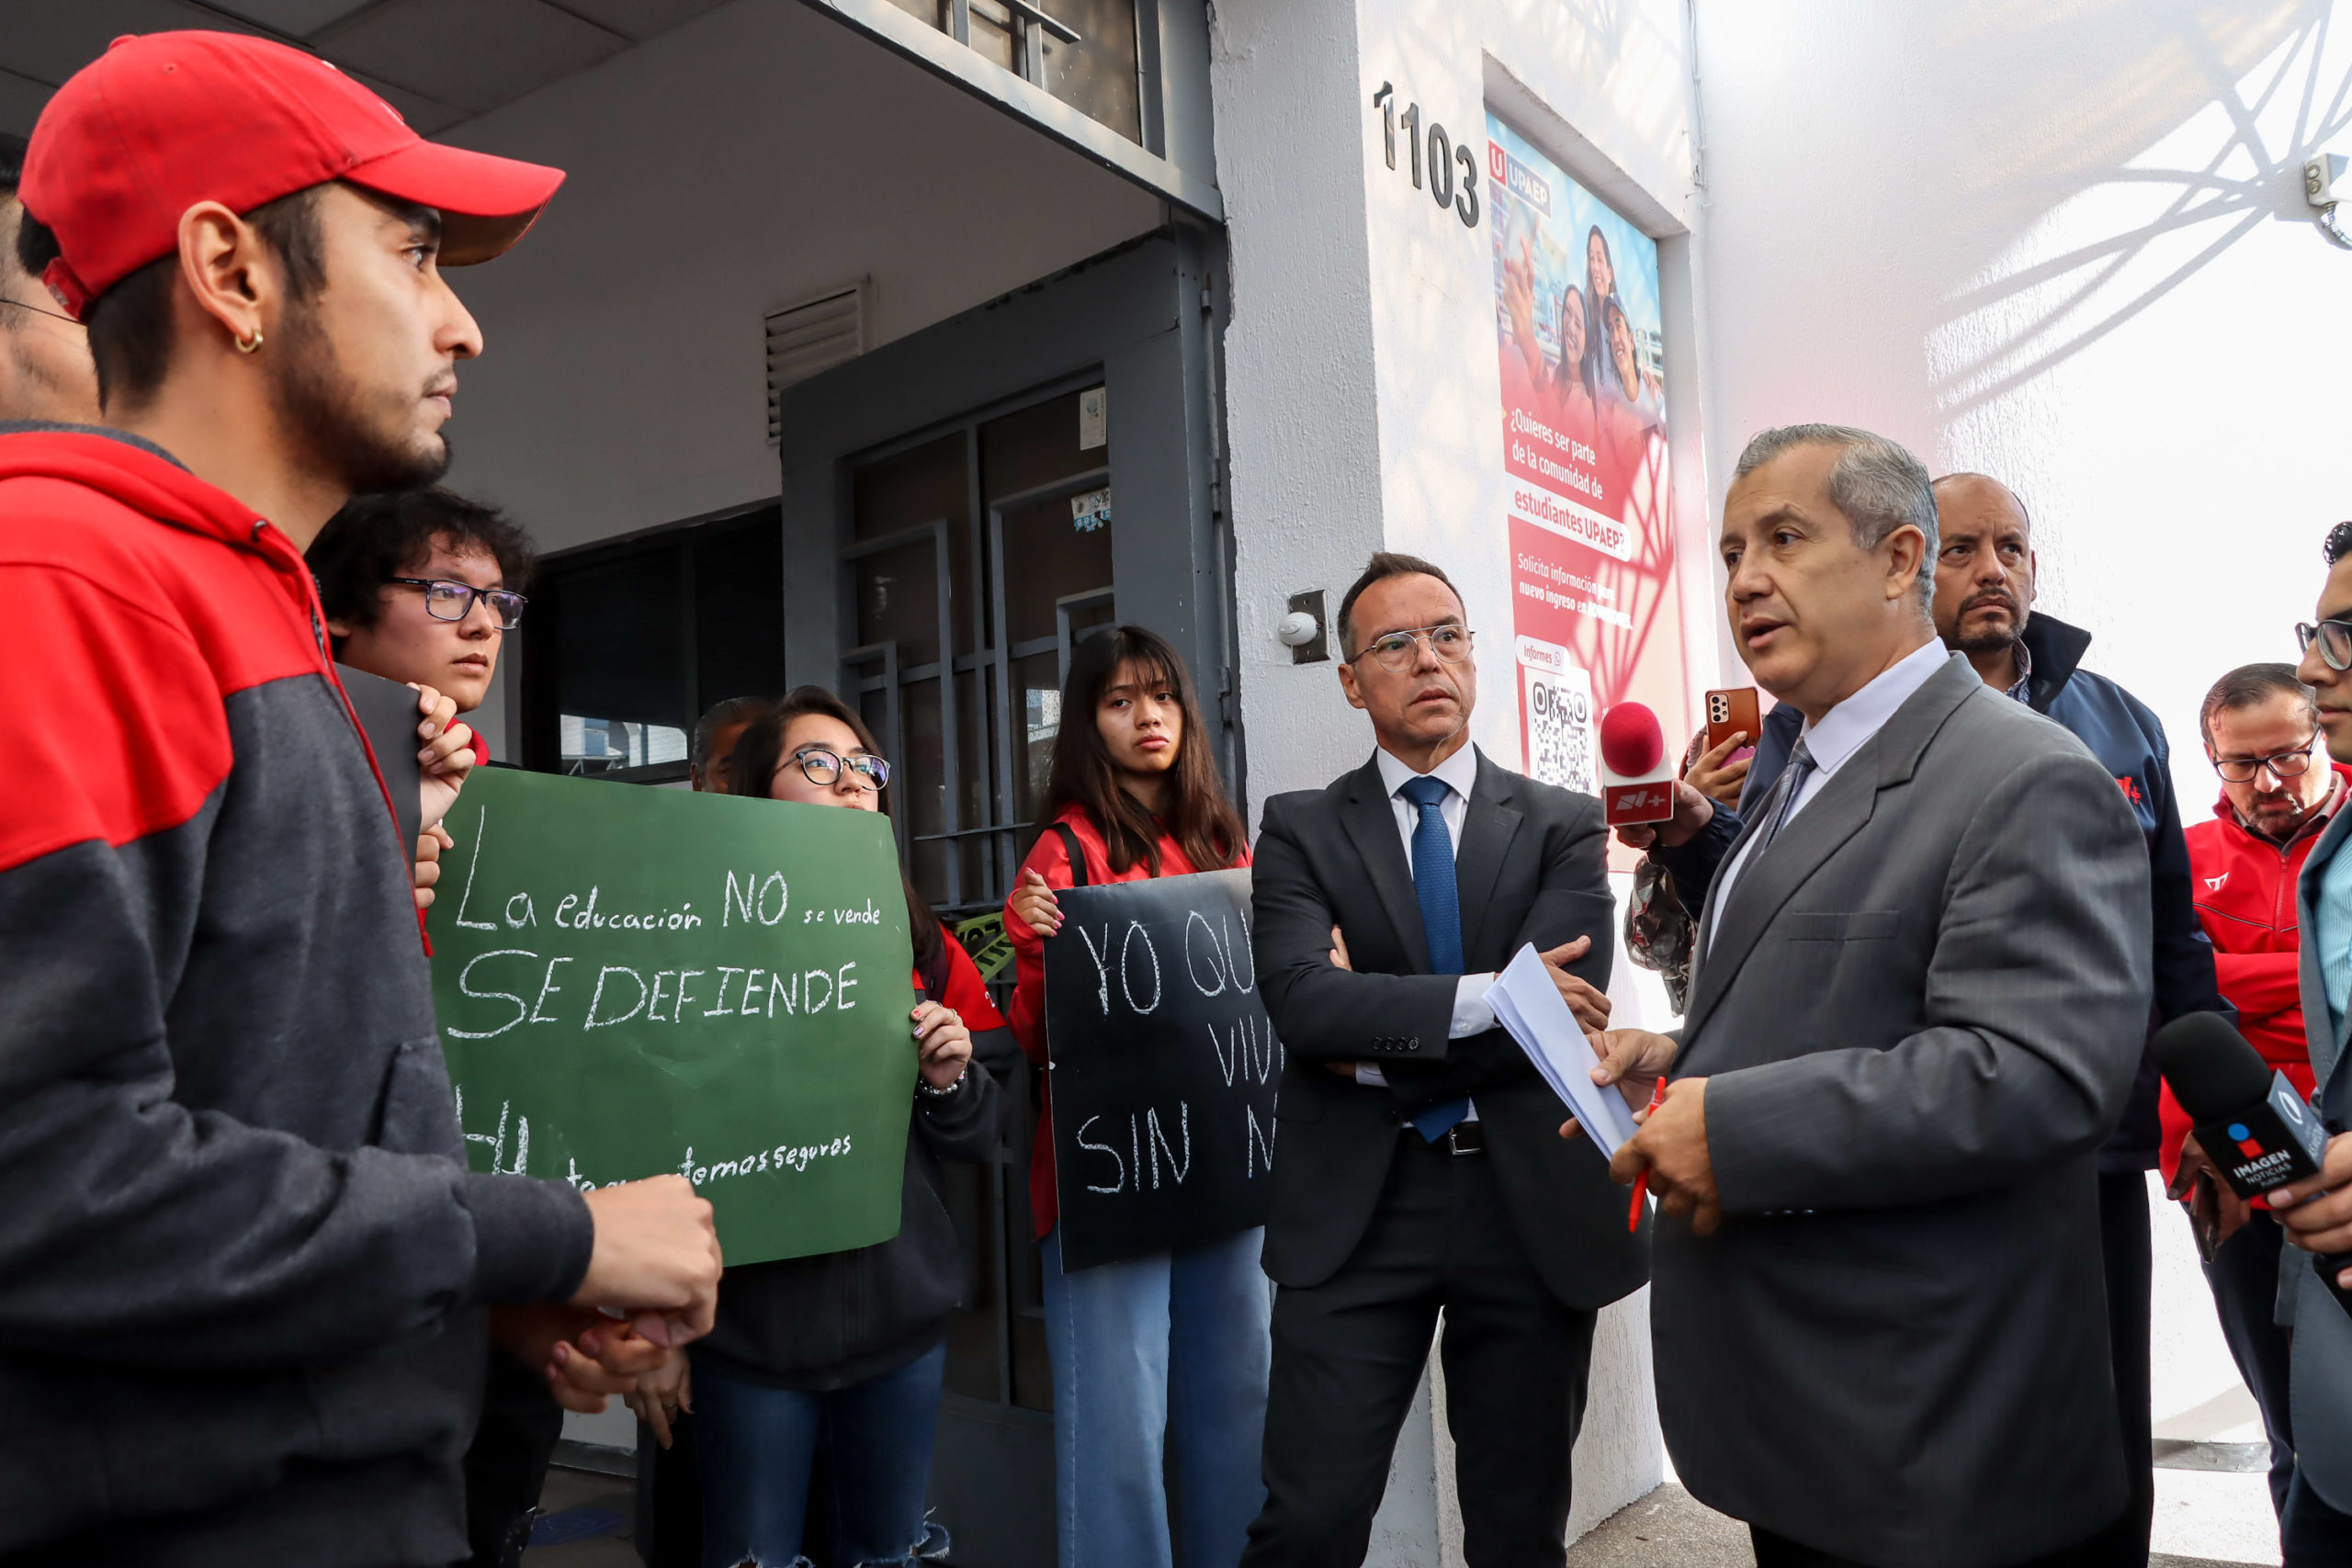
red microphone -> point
(1636, 775)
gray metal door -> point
(947, 536)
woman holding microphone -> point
(846, 1347)
(1175, 1343)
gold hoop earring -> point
(248, 348)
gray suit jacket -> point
(1918, 1019)
(2320, 1377)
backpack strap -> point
(1077, 854)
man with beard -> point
(1985, 572)
(2278, 794)
(1982, 607)
(243, 1269)
(45, 372)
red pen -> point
(1642, 1180)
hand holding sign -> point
(945, 1043)
(1033, 902)
(446, 757)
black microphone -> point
(2250, 1122)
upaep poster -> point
(1587, 515)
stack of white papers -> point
(1526, 1002)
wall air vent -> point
(812, 336)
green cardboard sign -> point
(634, 981)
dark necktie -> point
(1782, 804)
(1440, 903)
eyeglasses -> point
(447, 600)
(1397, 652)
(824, 768)
(2282, 764)
(2334, 640)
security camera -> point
(2325, 186)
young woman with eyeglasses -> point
(848, 1348)
(1172, 1347)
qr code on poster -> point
(1558, 713)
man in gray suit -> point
(1920, 991)
(2316, 1525)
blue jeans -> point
(755, 1447)
(1172, 1348)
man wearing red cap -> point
(243, 1266)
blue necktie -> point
(1441, 918)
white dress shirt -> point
(1459, 774)
(1843, 731)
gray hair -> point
(1878, 484)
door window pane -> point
(1096, 76)
(977, 779)
(1036, 686)
(620, 683)
(738, 608)
(920, 784)
(992, 37)
(926, 484)
(897, 600)
(1048, 558)
(1035, 446)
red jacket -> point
(2244, 889)
(1050, 859)
(240, 1250)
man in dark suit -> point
(1418, 1168)
(1922, 981)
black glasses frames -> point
(822, 766)
(2283, 765)
(447, 601)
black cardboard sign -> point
(1164, 1066)
(388, 714)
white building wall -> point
(1362, 399)
(2064, 244)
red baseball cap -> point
(165, 120)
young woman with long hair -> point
(1172, 1347)
(849, 1346)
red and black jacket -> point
(2244, 889)
(239, 1253)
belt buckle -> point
(1465, 1138)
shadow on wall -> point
(2001, 182)
(2181, 139)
